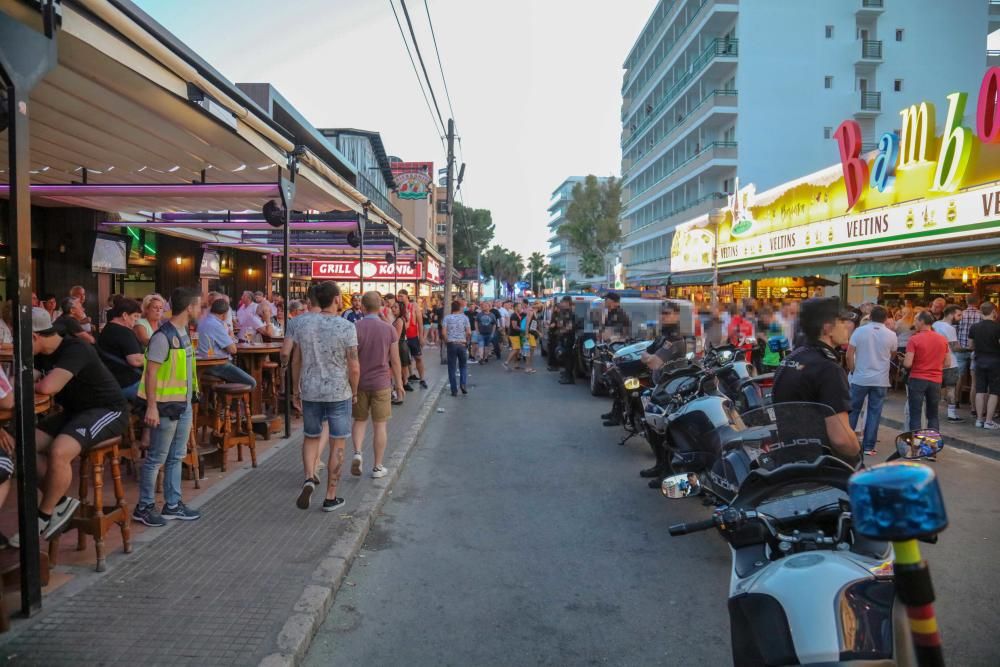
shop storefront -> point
(915, 219)
(379, 275)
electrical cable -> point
(438, 54)
(420, 57)
(420, 81)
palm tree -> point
(536, 266)
(492, 263)
(512, 269)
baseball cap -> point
(41, 322)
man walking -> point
(329, 385)
(414, 334)
(378, 357)
(949, 376)
(457, 334)
(485, 328)
(169, 384)
(869, 355)
(926, 355)
(984, 340)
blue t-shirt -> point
(212, 329)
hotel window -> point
(829, 32)
(828, 82)
(899, 34)
(827, 132)
(897, 85)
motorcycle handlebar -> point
(686, 528)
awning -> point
(691, 279)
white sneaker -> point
(991, 426)
(379, 471)
(48, 529)
(979, 423)
(356, 464)
(473, 362)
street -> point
(519, 533)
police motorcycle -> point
(740, 381)
(813, 580)
(692, 421)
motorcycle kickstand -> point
(627, 438)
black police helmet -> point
(815, 312)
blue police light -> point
(897, 502)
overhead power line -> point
(438, 54)
(420, 57)
(438, 130)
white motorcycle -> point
(809, 585)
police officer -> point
(562, 332)
(616, 323)
(813, 374)
(666, 348)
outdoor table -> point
(254, 355)
(43, 403)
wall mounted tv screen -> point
(110, 254)
(209, 264)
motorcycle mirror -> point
(589, 344)
(689, 356)
(921, 444)
(680, 486)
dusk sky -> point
(536, 96)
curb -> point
(313, 605)
(951, 441)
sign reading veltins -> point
(377, 269)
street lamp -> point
(715, 218)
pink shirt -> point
(375, 338)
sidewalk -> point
(248, 583)
(963, 435)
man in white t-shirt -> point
(949, 378)
(868, 357)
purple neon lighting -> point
(236, 225)
(153, 190)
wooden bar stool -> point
(271, 372)
(207, 418)
(94, 518)
(132, 440)
(233, 404)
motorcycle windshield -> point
(634, 348)
(798, 432)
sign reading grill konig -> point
(375, 269)
(967, 213)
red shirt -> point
(741, 333)
(929, 350)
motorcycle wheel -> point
(597, 387)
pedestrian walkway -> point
(963, 435)
(221, 591)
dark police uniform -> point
(812, 374)
(616, 322)
(564, 329)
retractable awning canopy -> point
(128, 104)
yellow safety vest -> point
(172, 375)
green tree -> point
(555, 272)
(591, 226)
(536, 269)
(473, 232)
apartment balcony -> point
(719, 52)
(689, 211)
(870, 104)
(869, 8)
(870, 53)
(718, 106)
(723, 152)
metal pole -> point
(288, 194)
(449, 260)
(715, 218)
(26, 55)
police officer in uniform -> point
(562, 332)
(616, 323)
(813, 374)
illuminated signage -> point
(914, 145)
(692, 246)
(413, 179)
(434, 272)
(375, 270)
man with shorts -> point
(485, 328)
(93, 410)
(329, 386)
(414, 334)
(949, 378)
(984, 340)
(378, 358)
(963, 356)
(514, 335)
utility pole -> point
(449, 259)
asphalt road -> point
(521, 534)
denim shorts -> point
(336, 413)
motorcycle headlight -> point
(631, 384)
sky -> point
(535, 84)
